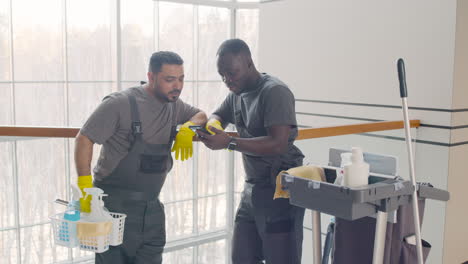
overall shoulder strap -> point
(135, 116)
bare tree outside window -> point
(64, 63)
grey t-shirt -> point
(110, 125)
(270, 103)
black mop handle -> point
(402, 78)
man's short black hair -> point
(233, 46)
(158, 59)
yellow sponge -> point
(309, 172)
(90, 229)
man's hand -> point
(213, 122)
(183, 145)
(85, 182)
(219, 140)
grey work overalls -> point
(133, 188)
(265, 228)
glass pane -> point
(5, 104)
(134, 83)
(239, 174)
(237, 197)
(188, 92)
(214, 252)
(179, 219)
(211, 213)
(37, 246)
(137, 38)
(38, 40)
(213, 29)
(83, 98)
(89, 40)
(41, 170)
(212, 170)
(183, 256)
(172, 31)
(179, 182)
(8, 248)
(247, 29)
(211, 95)
(212, 165)
(4, 41)
(7, 198)
(39, 104)
(82, 255)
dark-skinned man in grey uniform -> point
(136, 128)
(263, 110)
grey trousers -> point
(144, 233)
(267, 229)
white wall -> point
(337, 50)
(342, 55)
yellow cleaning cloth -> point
(88, 229)
(309, 172)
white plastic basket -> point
(118, 224)
(96, 244)
(66, 233)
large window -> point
(58, 59)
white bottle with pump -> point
(356, 174)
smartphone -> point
(199, 128)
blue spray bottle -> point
(71, 215)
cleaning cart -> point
(374, 213)
(93, 231)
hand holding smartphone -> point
(197, 129)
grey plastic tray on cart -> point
(384, 193)
(348, 203)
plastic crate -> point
(64, 231)
(118, 225)
(67, 233)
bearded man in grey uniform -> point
(263, 110)
(136, 128)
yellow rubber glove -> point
(183, 142)
(85, 182)
(213, 123)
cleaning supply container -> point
(65, 229)
(93, 231)
(118, 224)
(356, 174)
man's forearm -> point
(276, 142)
(199, 118)
(260, 146)
(83, 155)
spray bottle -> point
(72, 215)
(94, 229)
(98, 212)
